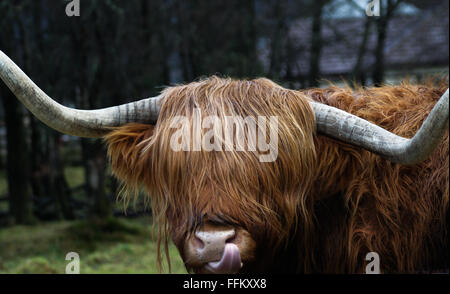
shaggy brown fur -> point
(322, 205)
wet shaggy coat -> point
(322, 205)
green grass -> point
(109, 246)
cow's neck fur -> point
(365, 203)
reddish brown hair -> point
(333, 201)
(398, 211)
(266, 198)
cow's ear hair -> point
(124, 151)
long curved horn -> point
(349, 128)
(330, 121)
(76, 122)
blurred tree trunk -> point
(90, 57)
(162, 31)
(94, 162)
(17, 162)
(246, 39)
(19, 191)
(183, 11)
(359, 75)
(47, 176)
(36, 160)
(378, 72)
(316, 43)
(47, 172)
(59, 187)
(38, 166)
(291, 56)
(382, 22)
(276, 46)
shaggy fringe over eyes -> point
(265, 198)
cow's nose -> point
(209, 245)
(212, 243)
(218, 251)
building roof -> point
(413, 41)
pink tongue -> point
(229, 263)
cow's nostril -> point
(231, 239)
(198, 243)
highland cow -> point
(345, 182)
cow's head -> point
(220, 204)
(226, 210)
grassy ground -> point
(118, 245)
(111, 246)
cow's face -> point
(224, 234)
(217, 248)
(231, 233)
(223, 209)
